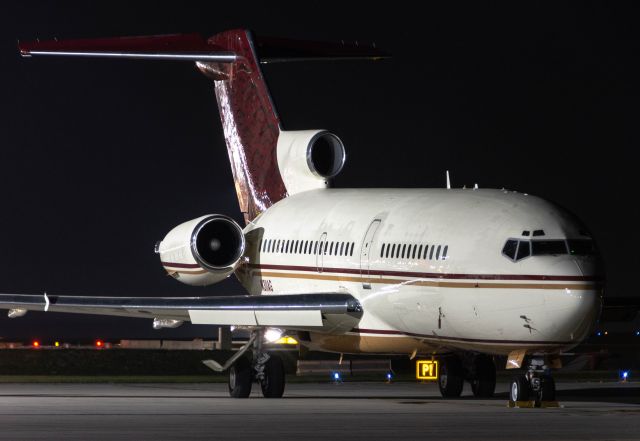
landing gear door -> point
(365, 253)
(321, 251)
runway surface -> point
(350, 411)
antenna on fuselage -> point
(448, 181)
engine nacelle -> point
(307, 159)
(202, 251)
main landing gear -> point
(478, 369)
(265, 368)
(535, 385)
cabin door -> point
(321, 251)
(365, 253)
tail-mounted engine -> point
(307, 159)
(202, 251)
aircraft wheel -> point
(519, 389)
(240, 378)
(451, 379)
(484, 383)
(547, 388)
(273, 382)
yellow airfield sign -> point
(427, 369)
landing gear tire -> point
(273, 381)
(451, 378)
(547, 388)
(240, 378)
(519, 389)
(483, 385)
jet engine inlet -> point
(217, 242)
(325, 155)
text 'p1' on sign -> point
(427, 370)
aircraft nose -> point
(575, 308)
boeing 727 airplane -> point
(458, 274)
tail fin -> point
(250, 123)
(249, 119)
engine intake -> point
(202, 251)
(307, 159)
(217, 243)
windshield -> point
(548, 247)
(581, 247)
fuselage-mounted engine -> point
(307, 159)
(202, 251)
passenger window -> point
(341, 248)
(524, 249)
(510, 248)
(426, 248)
(382, 251)
(352, 244)
(413, 255)
(393, 250)
(444, 252)
(404, 248)
(298, 246)
(438, 253)
(315, 247)
(398, 251)
(431, 253)
(419, 251)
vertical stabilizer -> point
(250, 123)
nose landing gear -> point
(534, 388)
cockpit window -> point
(548, 247)
(524, 250)
(510, 248)
(581, 247)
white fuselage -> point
(463, 293)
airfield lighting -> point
(57, 344)
(36, 344)
(599, 333)
(624, 375)
(637, 333)
(336, 376)
(99, 343)
(389, 377)
(606, 332)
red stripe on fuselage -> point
(431, 275)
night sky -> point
(99, 159)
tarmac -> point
(310, 411)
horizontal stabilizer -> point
(194, 47)
(184, 47)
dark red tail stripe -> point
(433, 275)
(471, 340)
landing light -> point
(271, 335)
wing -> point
(329, 312)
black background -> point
(101, 158)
